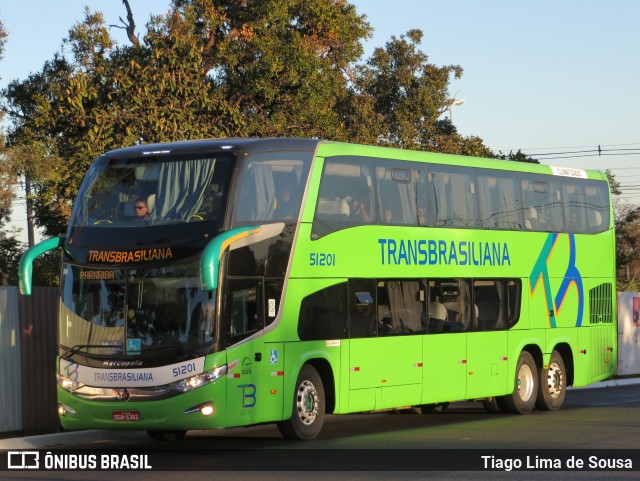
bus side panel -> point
(487, 364)
(445, 369)
(245, 390)
(596, 354)
(273, 381)
(596, 357)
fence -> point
(28, 355)
(28, 360)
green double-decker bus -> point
(218, 283)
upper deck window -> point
(270, 187)
(142, 192)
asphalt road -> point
(395, 445)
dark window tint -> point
(362, 315)
(401, 306)
(323, 314)
(497, 303)
(243, 308)
(449, 306)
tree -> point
(397, 98)
(519, 156)
(627, 227)
(10, 247)
(208, 68)
(217, 68)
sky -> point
(555, 79)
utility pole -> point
(27, 192)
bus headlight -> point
(66, 383)
(201, 379)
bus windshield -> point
(133, 312)
(140, 191)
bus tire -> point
(166, 435)
(308, 407)
(525, 387)
(552, 384)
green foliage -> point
(628, 285)
(627, 226)
(519, 156)
(217, 68)
(614, 185)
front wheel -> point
(525, 388)
(308, 407)
(552, 384)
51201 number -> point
(322, 259)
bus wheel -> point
(552, 384)
(166, 435)
(494, 405)
(308, 407)
(525, 389)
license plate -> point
(126, 416)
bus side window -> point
(544, 198)
(323, 314)
(497, 302)
(400, 307)
(243, 308)
(456, 297)
(597, 204)
(453, 198)
(488, 297)
(499, 202)
(574, 205)
(397, 194)
(362, 308)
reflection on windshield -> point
(149, 192)
(132, 312)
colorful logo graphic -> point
(540, 275)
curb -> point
(628, 381)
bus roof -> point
(248, 145)
(331, 148)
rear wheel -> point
(308, 407)
(552, 384)
(525, 389)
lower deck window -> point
(392, 307)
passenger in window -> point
(388, 216)
(574, 223)
(286, 208)
(422, 216)
(359, 211)
(142, 210)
